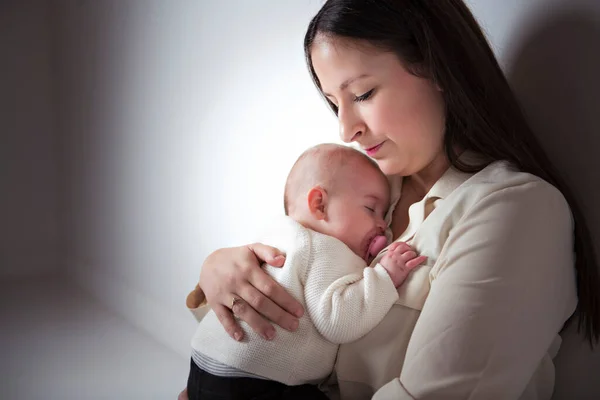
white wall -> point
(553, 67)
(182, 120)
(30, 229)
(507, 23)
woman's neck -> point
(414, 189)
(422, 182)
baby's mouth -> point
(377, 244)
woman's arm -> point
(504, 286)
(236, 273)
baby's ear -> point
(317, 202)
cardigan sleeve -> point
(345, 299)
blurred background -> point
(138, 136)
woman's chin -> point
(389, 168)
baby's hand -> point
(399, 261)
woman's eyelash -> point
(364, 97)
(370, 209)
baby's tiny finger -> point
(408, 255)
(415, 262)
(393, 246)
(403, 247)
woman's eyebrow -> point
(349, 81)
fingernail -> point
(293, 325)
(270, 334)
(299, 312)
(279, 258)
(237, 336)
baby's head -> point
(340, 192)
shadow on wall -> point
(556, 76)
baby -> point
(335, 201)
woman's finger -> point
(242, 310)
(270, 299)
(286, 306)
(268, 254)
(226, 319)
(265, 306)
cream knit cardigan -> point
(343, 301)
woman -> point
(416, 85)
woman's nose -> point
(351, 126)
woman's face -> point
(395, 116)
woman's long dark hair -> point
(441, 40)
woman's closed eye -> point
(370, 209)
(364, 97)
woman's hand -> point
(234, 283)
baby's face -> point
(355, 213)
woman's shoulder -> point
(502, 177)
(500, 205)
(502, 183)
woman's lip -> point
(372, 150)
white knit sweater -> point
(343, 301)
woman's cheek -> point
(388, 119)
